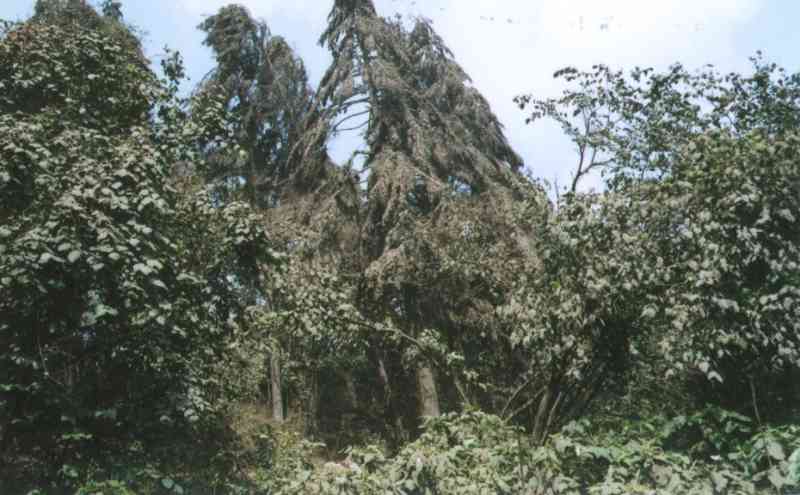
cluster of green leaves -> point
(75, 74)
(479, 453)
(141, 294)
(685, 269)
(688, 265)
(116, 303)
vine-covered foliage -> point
(703, 176)
(110, 332)
(195, 298)
(479, 453)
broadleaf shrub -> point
(479, 453)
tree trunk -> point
(384, 376)
(546, 413)
(277, 393)
(394, 415)
(426, 389)
(312, 407)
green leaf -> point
(74, 255)
(69, 471)
(775, 451)
(777, 479)
(794, 467)
(106, 414)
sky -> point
(510, 47)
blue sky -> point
(511, 47)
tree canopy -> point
(195, 297)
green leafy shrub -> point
(794, 468)
(111, 335)
(479, 453)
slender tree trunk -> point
(462, 391)
(384, 376)
(277, 393)
(426, 390)
(546, 413)
(393, 415)
(312, 413)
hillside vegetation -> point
(195, 298)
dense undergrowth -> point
(712, 451)
(478, 453)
